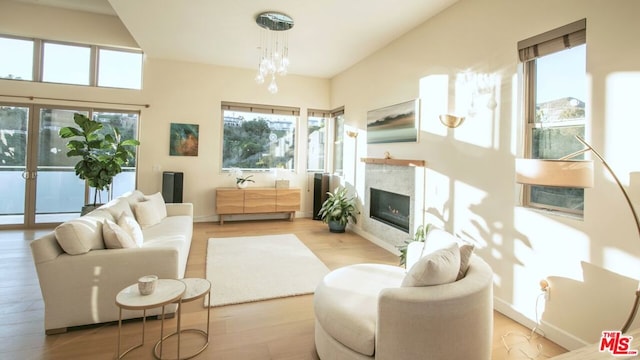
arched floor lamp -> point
(565, 172)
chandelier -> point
(273, 49)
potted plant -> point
(338, 209)
(420, 236)
(241, 181)
(101, 155)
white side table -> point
(196, 289)
(167, 291)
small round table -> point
(167, 291)
(196, 289)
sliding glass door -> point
(14, 122)
(39, 184)
(59, 194)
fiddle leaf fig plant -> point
(101, 156)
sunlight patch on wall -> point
(475, 228)
(622, 124)
(549, 247)
(438, 196)
(517, 119)
(621, 262)
(434, 98)
(476, 95)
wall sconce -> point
(451, 121)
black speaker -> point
(172, 186)
(320, 188)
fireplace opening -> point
(390, 208)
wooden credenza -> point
(232, 201)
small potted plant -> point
(241, 181)
(420, 236)
(101, 155)
(338, 210)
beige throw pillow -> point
(439, 267)
(80, 235)
(131, 226)
(465, 256)
(115, 237)
(150, 211)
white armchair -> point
(363, 312)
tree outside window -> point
(258, 141)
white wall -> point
(592, 265)
(177, 92)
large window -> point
(555, 94)
(258, 137)
(317, 121)
(69, 63)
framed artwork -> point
(183, 139)
(395, 123)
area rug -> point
(245, 269)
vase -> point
(241, 185)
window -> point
(555, 94)
(69, 63)
(258, 137)
(18, 66)
(120, 69)
(338, 141)
(317, 121)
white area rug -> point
(244, 269)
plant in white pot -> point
(338, 209)
(101, 155)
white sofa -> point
(79, 278)
(369, 311)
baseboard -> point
(551, 332)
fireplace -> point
(390, 208)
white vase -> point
(241, 185)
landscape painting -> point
(396, 123)
(183, 140)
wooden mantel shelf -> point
(396, 162)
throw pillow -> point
(150, 211)
(439, 267)
(115, 237)
(131, 226)
(465, 256)
(80, 235)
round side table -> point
(196, 289)
(167, 291)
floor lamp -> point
(565, 172)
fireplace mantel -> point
(396, 162)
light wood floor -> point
(274, 329)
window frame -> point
(551, 42)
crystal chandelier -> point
(273, 58)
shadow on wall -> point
(600, 286)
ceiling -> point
(328, 37)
